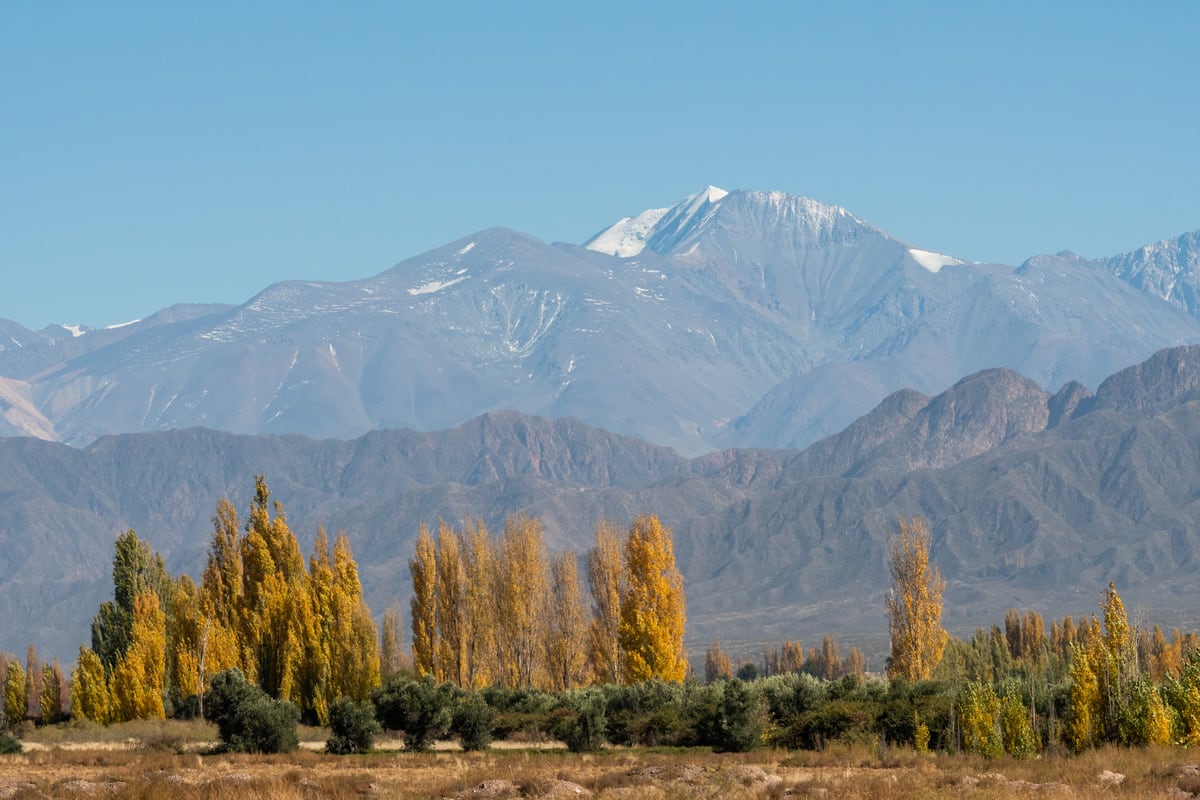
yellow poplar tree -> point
(53, 696)
(16, 699)
(566, 660)
(653, 609)
(1087, 703)
(423, 567)
(605, 574)
(521, 602)
(138, 680)
(275, 621)
(353, 652)
(451, 606)
(89, 688)
(914, 604)
(480, 564)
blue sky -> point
(156, 153)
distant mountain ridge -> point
(1035, 500)
(730, 319)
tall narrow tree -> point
(423, 568)
(480, 562)
(566, 628)
(521, 603)
(605, 574)
(914, 605)
(653, 610)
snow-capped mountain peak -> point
(627, 237)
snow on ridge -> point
(933, 261)
(627, 237)
(466, 249)
(75, 330)
(436, 286)
(121, 325)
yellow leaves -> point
(605, 581)
(505, 613)
(423, 568)
(653, 606)
(914, 605)
(89, 688)
(15, 692)
(308, 638)
(566, 625)
(521, 601)
(137, 681)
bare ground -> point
(110, 770)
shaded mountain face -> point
(1031, 505)
(730, 319)
(1169, 269)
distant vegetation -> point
(505, 645)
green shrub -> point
(838, 720)
(738, 723)
(9, 744)
(584, 727)
(472, 723)
(352, 727)
(249, 721)
(422, 709)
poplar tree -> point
(52, 702)
(451, 604)
(274, 591)
(914, 605)
(16, 700)
(135, 568)
(137, 682)
(423, 568)
(354, 654)
(480, 563)
(605, 575)
(521, 602)
(653, 608)
(89, 688)
(566, 660)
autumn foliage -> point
(503, 611)
(914, 605)
(300, 634)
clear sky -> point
(155, 153)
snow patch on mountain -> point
(121, 325)
(934, 261)
(468, 248)
(75, 330)
(436, 286)
(627, 237)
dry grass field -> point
(171, 760)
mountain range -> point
(1035, 500)
(776, 378)
(730, 319)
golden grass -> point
(632, 774)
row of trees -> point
(502, 611)
(301, 634)
(822, 662)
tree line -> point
(505, 639)
(501, 611)
(302, 633)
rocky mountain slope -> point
(738, 318)
(1035, 500)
